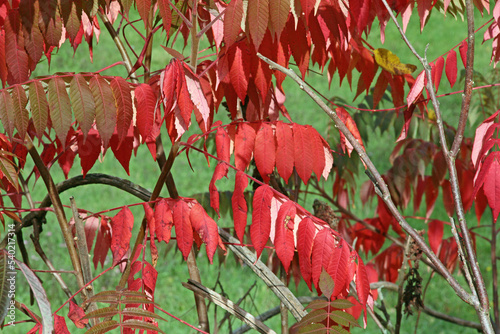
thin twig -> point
(401, 281)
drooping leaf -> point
(121, 224)
(435, 234)
(220, 171)
(145, 104)
(244, 143)
(265, 151)
(123, 100)
(123, 150)
(284, 239)
(261, 217)
(103, 243)
(222, 144)
(39, 107)
(351, 125)
(233, 20)
(21, 116)
(258, 18)
(391, 63)
(437, 72)
(76, 313)
(163, 221)
(417, 88)
(362, 284)
(285, 150)
(7, 112)
(15, 55)
(491, 188)
(239, 204)
(451, 67)
(338, 267)
(206, 228)
(239, 71)
(105, 108)
(183, 228)
(303, 155)
(166, 14)
(143, 7)
(82, 102)
(197, 95)
(305, 238)
(89, 151)
(278, 12)
(322, 249)
(60, 325)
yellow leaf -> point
(391, 63)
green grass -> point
(234, 278)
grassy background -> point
(441, 34)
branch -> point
(482, 305)
(453, 320)
(228, 305)
(266, 275)
(379, 183)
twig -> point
(382, 189)
(228, 305)
(453, 320)
(283, 309)
(494, 277)
(401, 281)
(481, 305)
(226, 316)
(266, 275)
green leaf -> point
(102, 312)
(60, 108)
(21, 116)
(326, 284)
(314, 328)
(343, 318)
(39, 107)
(83, 103)
(7, 112)
(338, 330)
(317, 304)
(103, 327)
(105, 108)
(315, 316)
(140, 324)
(342, 304)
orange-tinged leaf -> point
(105, 108)
(233, 19)
(123, 99)
(391, 63)
(278, 12)
(261, 218)
(284, 150)
(244, 144)
(7, 112)
(183, 228)
(303, 154)
(206, 228)
(145, 104)
(239, 204)
(21, 116)
(265, 151)
(39, 107)
(82, 102)
(163, 221)
(258, 18)
(284, 240)
(60, 108)
(121, 224)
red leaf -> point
(150, 219)
(124, 112)
(380, 89)
(222, 143)
(121, 224)
(102, 244)
(76, 313)
(244, 143)
(166, 15)
(206, 229)
(232, 21)
(431, 194)
(322, 249)
(463, 52)
(163, 221)
(448, 202)
(89, 152)
(319, 158)
(105, 108)
(305, 237)
(239, 204)
(183, 228)
(60, 108)
(362, 284)
(284, 240)
(123, 150)
(300, 45)
(15, 56)
(265, 151)
(39, 107)
(346, 118)
(437, 72)
(491, 188)
(59, 326)
(239, 72)
(278, 12)
(424, 8)
(143, 7)
(284, 150)
(21, 115)
(3, 63)
(7, 112)
(82, 102)
(303, 155)
(337, 268)
(435, 234)
(261, 218)
(451, 67)
(258, 18)
(145, 104)
(220, 171)
(416, 89)
(91, 225)
(197, 95)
